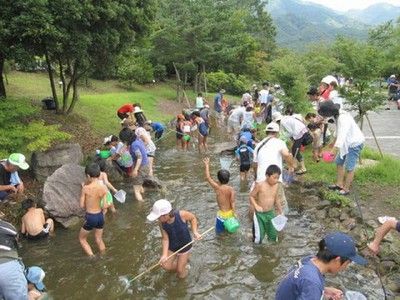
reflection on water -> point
(223, 267)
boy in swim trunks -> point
(263, 199)
(225, 196)
(34, 225)
(91, 196)
(175, 235)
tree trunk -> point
(2, 86)
(205, 80)
(179, 83)
(51, 78)
(196, 83)
(373, 134)
(75, 96)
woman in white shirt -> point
(348, 143)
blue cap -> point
(341, 244)
(35, 275)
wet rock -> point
(349, 224)
(334, 213)
(44, 163)
(153, 183)
(114, 173)
(321, 214)
(225, 148)
(387, 266)
(372, 224)
(312, 199)
(61, 193)
(323, 204)
(393, 285)
(343, 216)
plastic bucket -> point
(279, 222)
(120, 196)
(328, 156)
(105, 154)
(231, 225)
(225, 162)
(353, 295)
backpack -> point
(8, 236)
(244, 155)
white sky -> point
(344, 5)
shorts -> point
(109, 200)
(143, 174)
(244, 167)
(3, 195)
(41, 235)
(127, 170)
(183, 251)
(179, 135)
(151, 154)
(262, 226)
(203, 129)
(13, 284)
(398, 226)
(350, 159)
(220, 219)
(93, 221)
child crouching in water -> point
(103, 179)
(225, 196)
(263, 199)
(92, 194)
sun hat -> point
(18, 159)
(222, 91)
(107, 140)
(313, 91)
(341, 244)
(272, 127)
(328, 109)
(276, 116)
(35, 275)
(137, 110)
(160, 207)
(329, 79)
(392, 76)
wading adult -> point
(140, 168)
(218, 106)
(10, 182)
(348, 144)
(175, 235)
(13, 284)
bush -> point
(133, 68)
(235, 85)
(160, 72)
(20, 131)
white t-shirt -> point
(199, 102)
(263, 96)
(125, 160)
(348, 134)
(269, 154)
(236, 114)
(294, 127)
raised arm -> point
(211, 181)
(191, 218)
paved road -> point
(386, 125)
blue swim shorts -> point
(350, 159)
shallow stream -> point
(223, 267)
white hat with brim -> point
(137, 110)
(276, 116)
(160, 207)
(329, 79)
(18, 159)
(392, 76)
(272, 127)
(222, 91)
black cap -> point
(328, 109)
(313, 91)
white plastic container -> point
(353, 295)
(120, 196)
(225, 162)
(279, 222)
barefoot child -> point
(203, 131)
(92, 194)
(175, 235)
(34, 224)
(381, 232)
(103, 179)
(244, 154)
(225, 196)
(263, 199)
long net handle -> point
(171, 255)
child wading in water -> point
(263, 198)
(245, 156)
(225, 196)
(92, 194)
(203, 131)
(34, 224)
(175, 235)
(103, 179)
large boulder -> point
(61, 194)
(45, 163)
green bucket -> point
(105, 154)
(231, 225)
(186, 137)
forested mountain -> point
(301, 23)
(376, 14)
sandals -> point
(343, 192)
(334, 187)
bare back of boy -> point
(33, 221)
(93, 193)
(265, 197)
(225, 197)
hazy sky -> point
(344, 5)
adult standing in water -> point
(175, 235)
(218, 105)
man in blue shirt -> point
(158, 129)
(306, 281)
(218, 101)
(140, 167)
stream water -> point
(223, 267)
